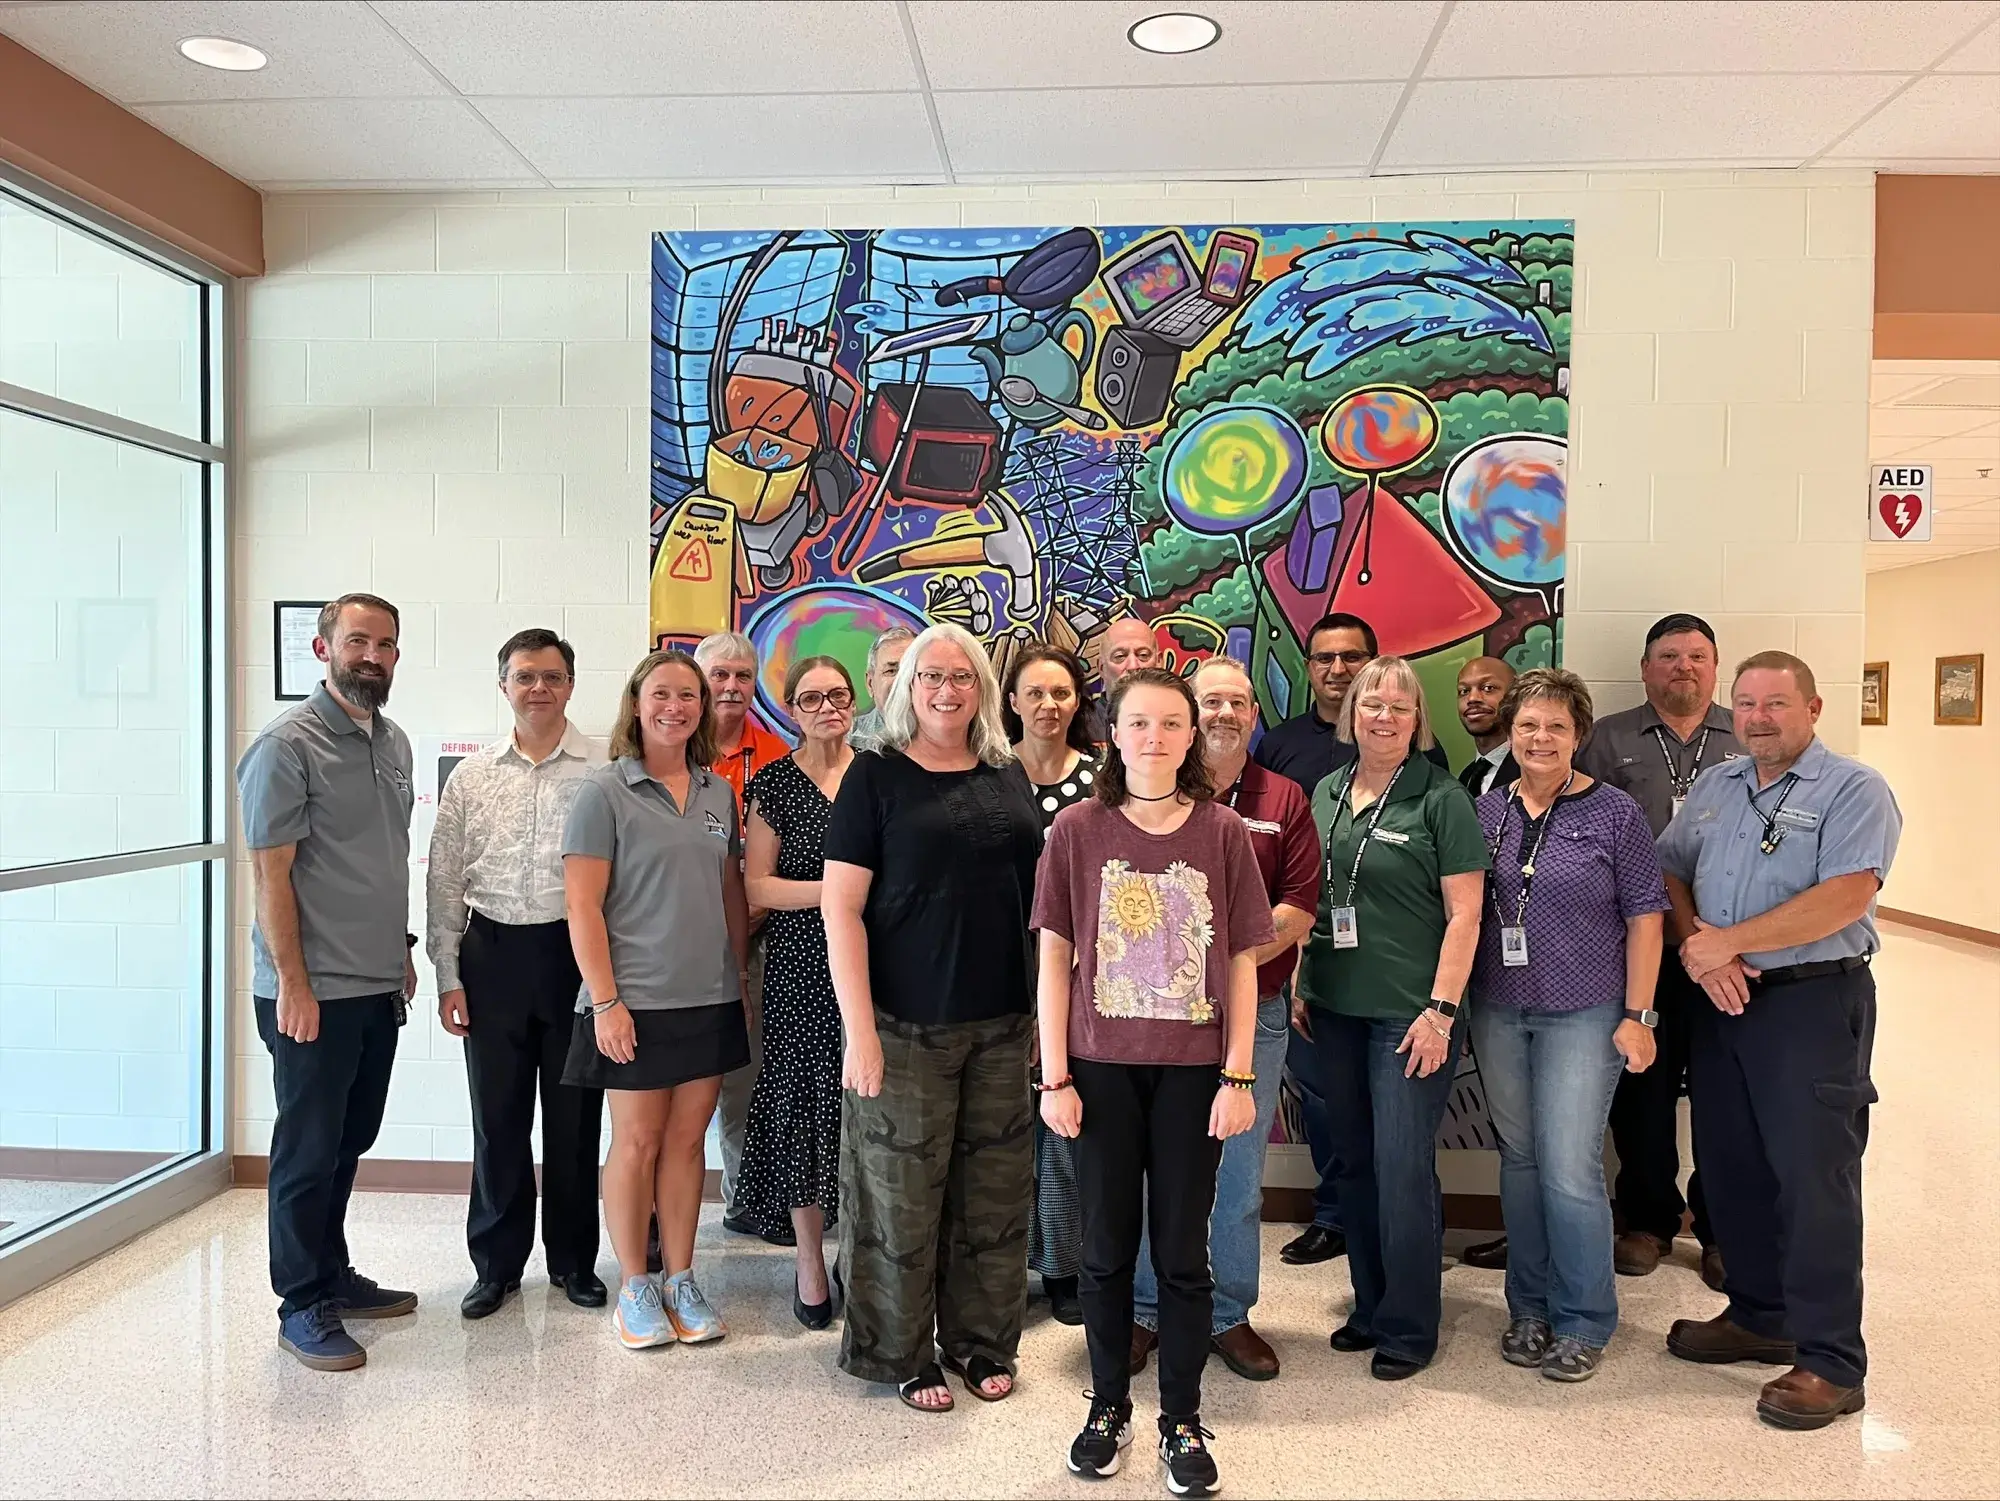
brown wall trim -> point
(76, 1164)
(1939, 926)
(1936, 297)
(73, 137)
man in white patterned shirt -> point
(507, 981)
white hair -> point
(882, 639)
(985, 737)
(725, 646)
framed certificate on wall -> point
(294, 623)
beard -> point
(366, 689)
(1681, 698)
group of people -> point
(992, 979)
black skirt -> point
(671, 1048)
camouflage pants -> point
(936, 1190)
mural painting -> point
(1224, 431)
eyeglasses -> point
(1375, 708)
(813, 700)
(527, 680)
(963, 678)
(1350, 658)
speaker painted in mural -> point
(1224, 430)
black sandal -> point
(928, 1377)
(975, 1371)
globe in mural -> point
(1379, 429)
(831, 620)
(1237, 466)
(1504, 505)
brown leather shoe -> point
(1246, 1352)
(1711, 1266)
(1144, 1342)
(1718, 1341)
(1800, 1399)
(1637, 1253)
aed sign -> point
(1899, 508)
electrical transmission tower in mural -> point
(1081, 502)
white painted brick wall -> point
(486, 464)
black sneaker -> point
(357, 1297)
(1107, 1432)
(1190, 1467)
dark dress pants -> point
(521, 986)
(1145, 1161)
(1781, 1096)
(331, 1093)
(1645, 1119)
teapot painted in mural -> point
(1036, 376)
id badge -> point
(1514, 947)
(1346, 935)
(1678, 803)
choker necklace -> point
(1138, 798)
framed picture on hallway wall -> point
(1961, 689)
(1874, 692)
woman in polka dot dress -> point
(791, 1138)
(1048, 714)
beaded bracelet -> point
(1062, 1083)
(1238, 1081)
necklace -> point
(1141, 798)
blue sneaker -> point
(319, 1340)
(695, 1322)
(357, 1297)
(640, 1319)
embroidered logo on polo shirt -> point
(1799, 818)
(1390, 836)
(716, 826)
(1263, 826)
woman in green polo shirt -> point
(1378, 992)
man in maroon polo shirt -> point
(1287, 847)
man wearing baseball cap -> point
(1654, 753)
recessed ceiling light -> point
(220, 52)
(1176, 31)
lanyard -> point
(1361, 847)
(1235, 787)
(1528, 858)
(1774, 832)
(1681, 783)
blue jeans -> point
(1235, 1245)
(1302, 1063)
(1384, 1133)
(1549, 1081)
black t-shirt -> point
(954, 855)
(1305, 749)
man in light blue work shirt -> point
(1773, 866)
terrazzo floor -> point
(155, 1371)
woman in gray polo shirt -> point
(658, 921)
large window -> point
(112, 898)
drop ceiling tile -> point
(589, 47)
(1603, 121)
(1325, 129)
(1081, 43)
(1945, 118)
(330, 142)
(1980, 55)
(783, 138)
(1573, 38)
(131, 51)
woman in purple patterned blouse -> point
(1562, 987)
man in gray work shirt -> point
(326, 798)
(1654, 753)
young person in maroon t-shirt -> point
(1151, 910)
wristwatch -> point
(1647, 1017)
(1447, 1009)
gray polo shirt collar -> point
(1810, 764)
(327, 707)
(633, 768)
(1717, 718)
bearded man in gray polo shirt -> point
(326, 798)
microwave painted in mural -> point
(1226, 431)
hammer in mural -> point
(959, 542)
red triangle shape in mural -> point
(1418, 597)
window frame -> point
(138, 1204)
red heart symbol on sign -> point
(1901, 513)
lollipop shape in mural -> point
(1233, 468)
(1373, 431)
(1506, 510)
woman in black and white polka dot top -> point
(1048, 712)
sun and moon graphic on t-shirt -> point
(1153, 936)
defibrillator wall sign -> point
(1900, 503)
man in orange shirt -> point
(743, 748)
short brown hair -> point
(1191, 782)
(1557, 686)
(626, 739)
(1780, 661)
(329, 613)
